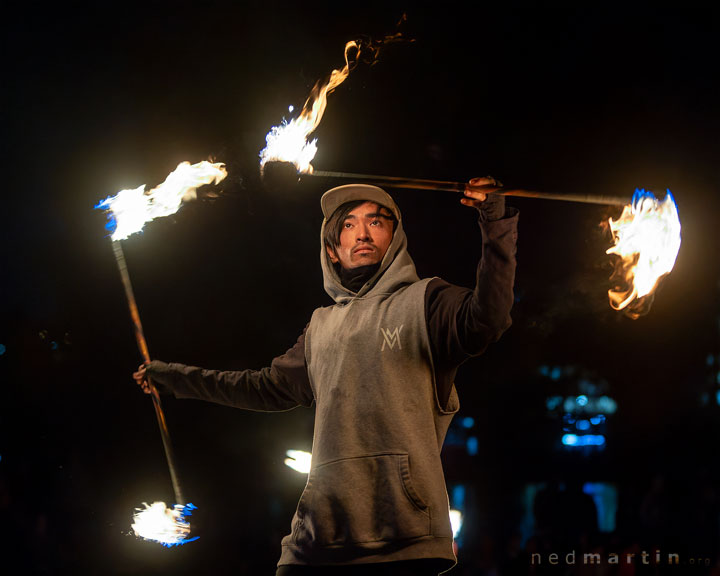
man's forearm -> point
(462, 322)
(492, 298)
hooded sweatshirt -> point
(376, 489)
(379, 365)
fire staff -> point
(379, 366)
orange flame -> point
(288, 142)
(647, 240)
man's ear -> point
(331, 253)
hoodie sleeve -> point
(463, 322)
(281, 386)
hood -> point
(397, 267)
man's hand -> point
(141, 379)
(490, 208)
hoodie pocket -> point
(360, 500)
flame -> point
(288, 142)
(129, 210)
(159, 523)
(647, 239)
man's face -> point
(366, 233)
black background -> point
(596, 99)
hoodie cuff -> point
(161, 376)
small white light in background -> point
(456, 521)
(298, 460)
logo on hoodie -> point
(391, 337)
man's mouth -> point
(364, 249)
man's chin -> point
(360, 262)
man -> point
(379, 366)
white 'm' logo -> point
(391, 337)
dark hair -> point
(334, 225)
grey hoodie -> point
(376, 490)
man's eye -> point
(347, 225)
(375, 223)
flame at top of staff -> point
(167, 526)
(129, 210)
(288, 142)
(647, 239)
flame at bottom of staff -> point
(167, 526)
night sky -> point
(98, 97)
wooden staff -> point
(448, 186)
(143, 347)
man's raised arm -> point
(463, 322)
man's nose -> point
(363, 233)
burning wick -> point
(129, 210)
(167, 526)
(647, 240)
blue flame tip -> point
(641, 193)
(111, 224)
(173, 544)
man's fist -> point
(479, 195)
(141, 379)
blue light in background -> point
(556, 373)
(605, 497)
(553, 402)
(583, 440)
(458, 497)
(717, 397)
(570, 439)
(568, 418)
(472, 446)
(582, 400)
(583, 425)
(2, 349)
(595, 420)
(607, 405)
(467, 422)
